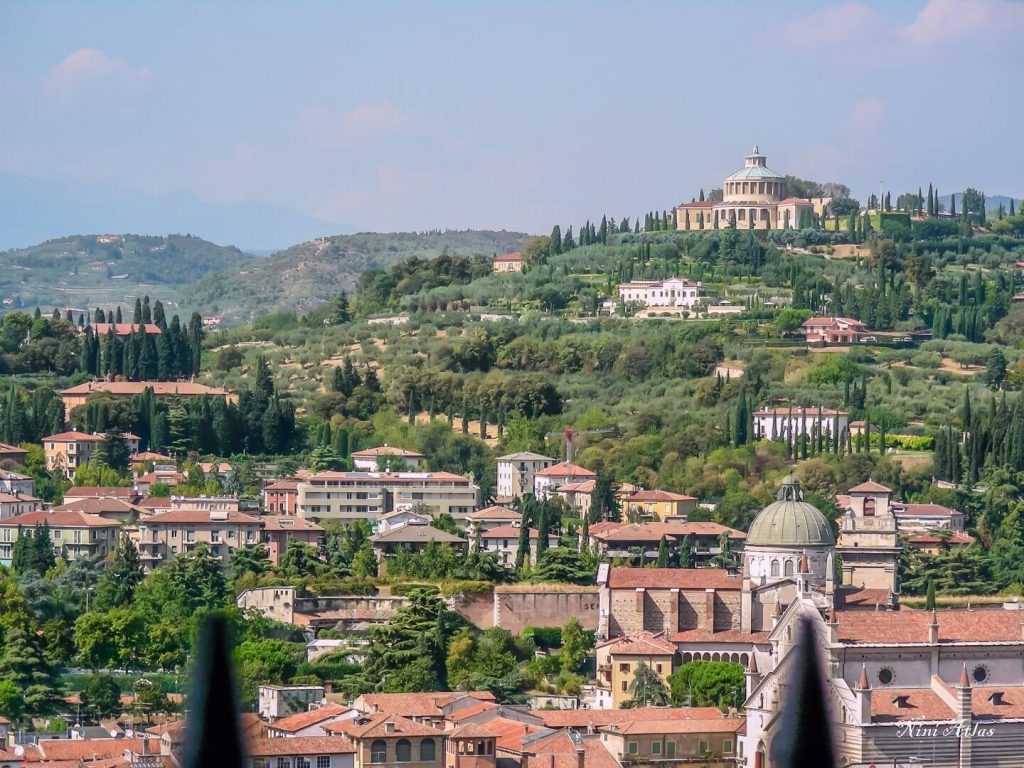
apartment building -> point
(516, 472)
(75, 534)
(351, 496)
(163, 536)
(16, 483)
(390, 739)
(67, 451)
(125, 390)
(279, 531)
(618, 659)
(14, 504)
(281, 497)
(386, 457)
(546, 482)
(657, 505)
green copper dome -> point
(789, 521)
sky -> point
(517, 115)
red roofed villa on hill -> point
(832, 330)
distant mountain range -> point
(35, 210)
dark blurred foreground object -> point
(804, 739)
(213, 733)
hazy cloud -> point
(89, 68)
(942, 21)
(828, 26)
(366, 121)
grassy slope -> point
(307, 275)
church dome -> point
(755, 169)
(789, 521)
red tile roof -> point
(471, 731)
(646, 727)
(582, 718)
(385, 450)
(673, 578)
(301, 720)
(92, 749)
(200, 517)
(587, 486)
(299, 745)
(955, 538)
(911, 627)
(560, 750)
(652, 532)
(923, 510)
(282, 485)
(72, 437)
(565, 469)
(799, 410)
(419, 704)
(160, 388)
(463, 713)
(94, 506)
(124, 329)
(1008, 701)
(870, 486)
(379, 725)
(917, 704)
(642, 644)
(495, 513)
(100, 492)
(59, 519)
(514, 256)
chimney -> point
(640, 605)
(933, 629)
(709, 610)
(552, 761)
(581, 757)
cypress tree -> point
(952, 205)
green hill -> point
(97, 270)
(305, 276)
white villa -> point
(674, 292)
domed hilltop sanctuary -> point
(752, 198)
(889, 667)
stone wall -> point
(672, 610)
(516, 608)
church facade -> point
(752, 198)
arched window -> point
(403, 751)
(789, 567)
(428, 751)
(379, 751)
(775, 567)
(869, 507)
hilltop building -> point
(781, 423)
(162, 390)
(752, 198)
(508, 262)
(676, 292)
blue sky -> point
(517, 115)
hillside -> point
(307, 275)
(96, 270)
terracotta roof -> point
(375, 726)
(607, 525)
(514, 256)
(151, 456)
(911, 627)
(300, 720)
(510, 733)
(427, 704)
(201, 517)
(385, 450)
(997, 701)
(124, 329)
(642, 644)
(799, 410)
(652, 532)
(299, 745)
(587, 486)
(282, 485)
(673, 578)
(414, 534)
(160, 388)
(854, 597)
(155, 502)
(100, 491)
(722, 636)
(697, 204)
(560, 750)
(641, 727)
(471, 731)
(659, 496)
(8, 448)
(169, 478)
(894, 704)
(463, 713)
(59, 519)
(582, 718)
(288, 523)
(524, 456)
(870, 486)
(955, 538)
(72, 437)
(94, 506)
(92, 749)
(923, 510)
(10, 498)
(495, 513)
(565, 469)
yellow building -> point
(389, 739)
(657, 505)
(618, 659)
(67, 451)
(713, 743)
(509, 262)
(752, 198)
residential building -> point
(164, 535)
(67, 451)
(281, 497)
(111, 509)
(431, 708)
(74, 534)
(169, 477)
(278, 701)
(939, 541)
(399, 518)
(657, 505)
(546, 482)
(13, 453)
(77, 492)
(348, 496)
(793, 421)
(492, 517)
(577, 496)
(16, 483)
(279, 531)
(14, 504)
(216, 470)
(832, 330)
(386, 457)
(412, 537)
(300, 752)
(503, 540)
(162, 390)
(640, 542)
(674, 293)
(618, 659)
(927, 517)
(509, 262)
(753, 198)
(470, 745)
(391, 739)
(712, 743)
(121, 330)
(516, 472)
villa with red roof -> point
(832, 330)
(546, 482)
(657, 505)
(508, 262)
(74, 533)
(371, 459)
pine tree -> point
(116, 585)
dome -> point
(755, 169)
(789, 521)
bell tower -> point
(868, 542)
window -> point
(625, 687)
(174, 533)
(323, 761)
(284, 762)
(633, 748)
(57, 533)
(379, 751)
(428, 751)
(260, 762)
(656, 748)
(657, 668)
(403, 751)
(702, 747)
(302, 762)
(775, 568)
(726, 747)
(980, 674)
(624, 667)
(789, 567)
(670, 749)
(885, 675)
